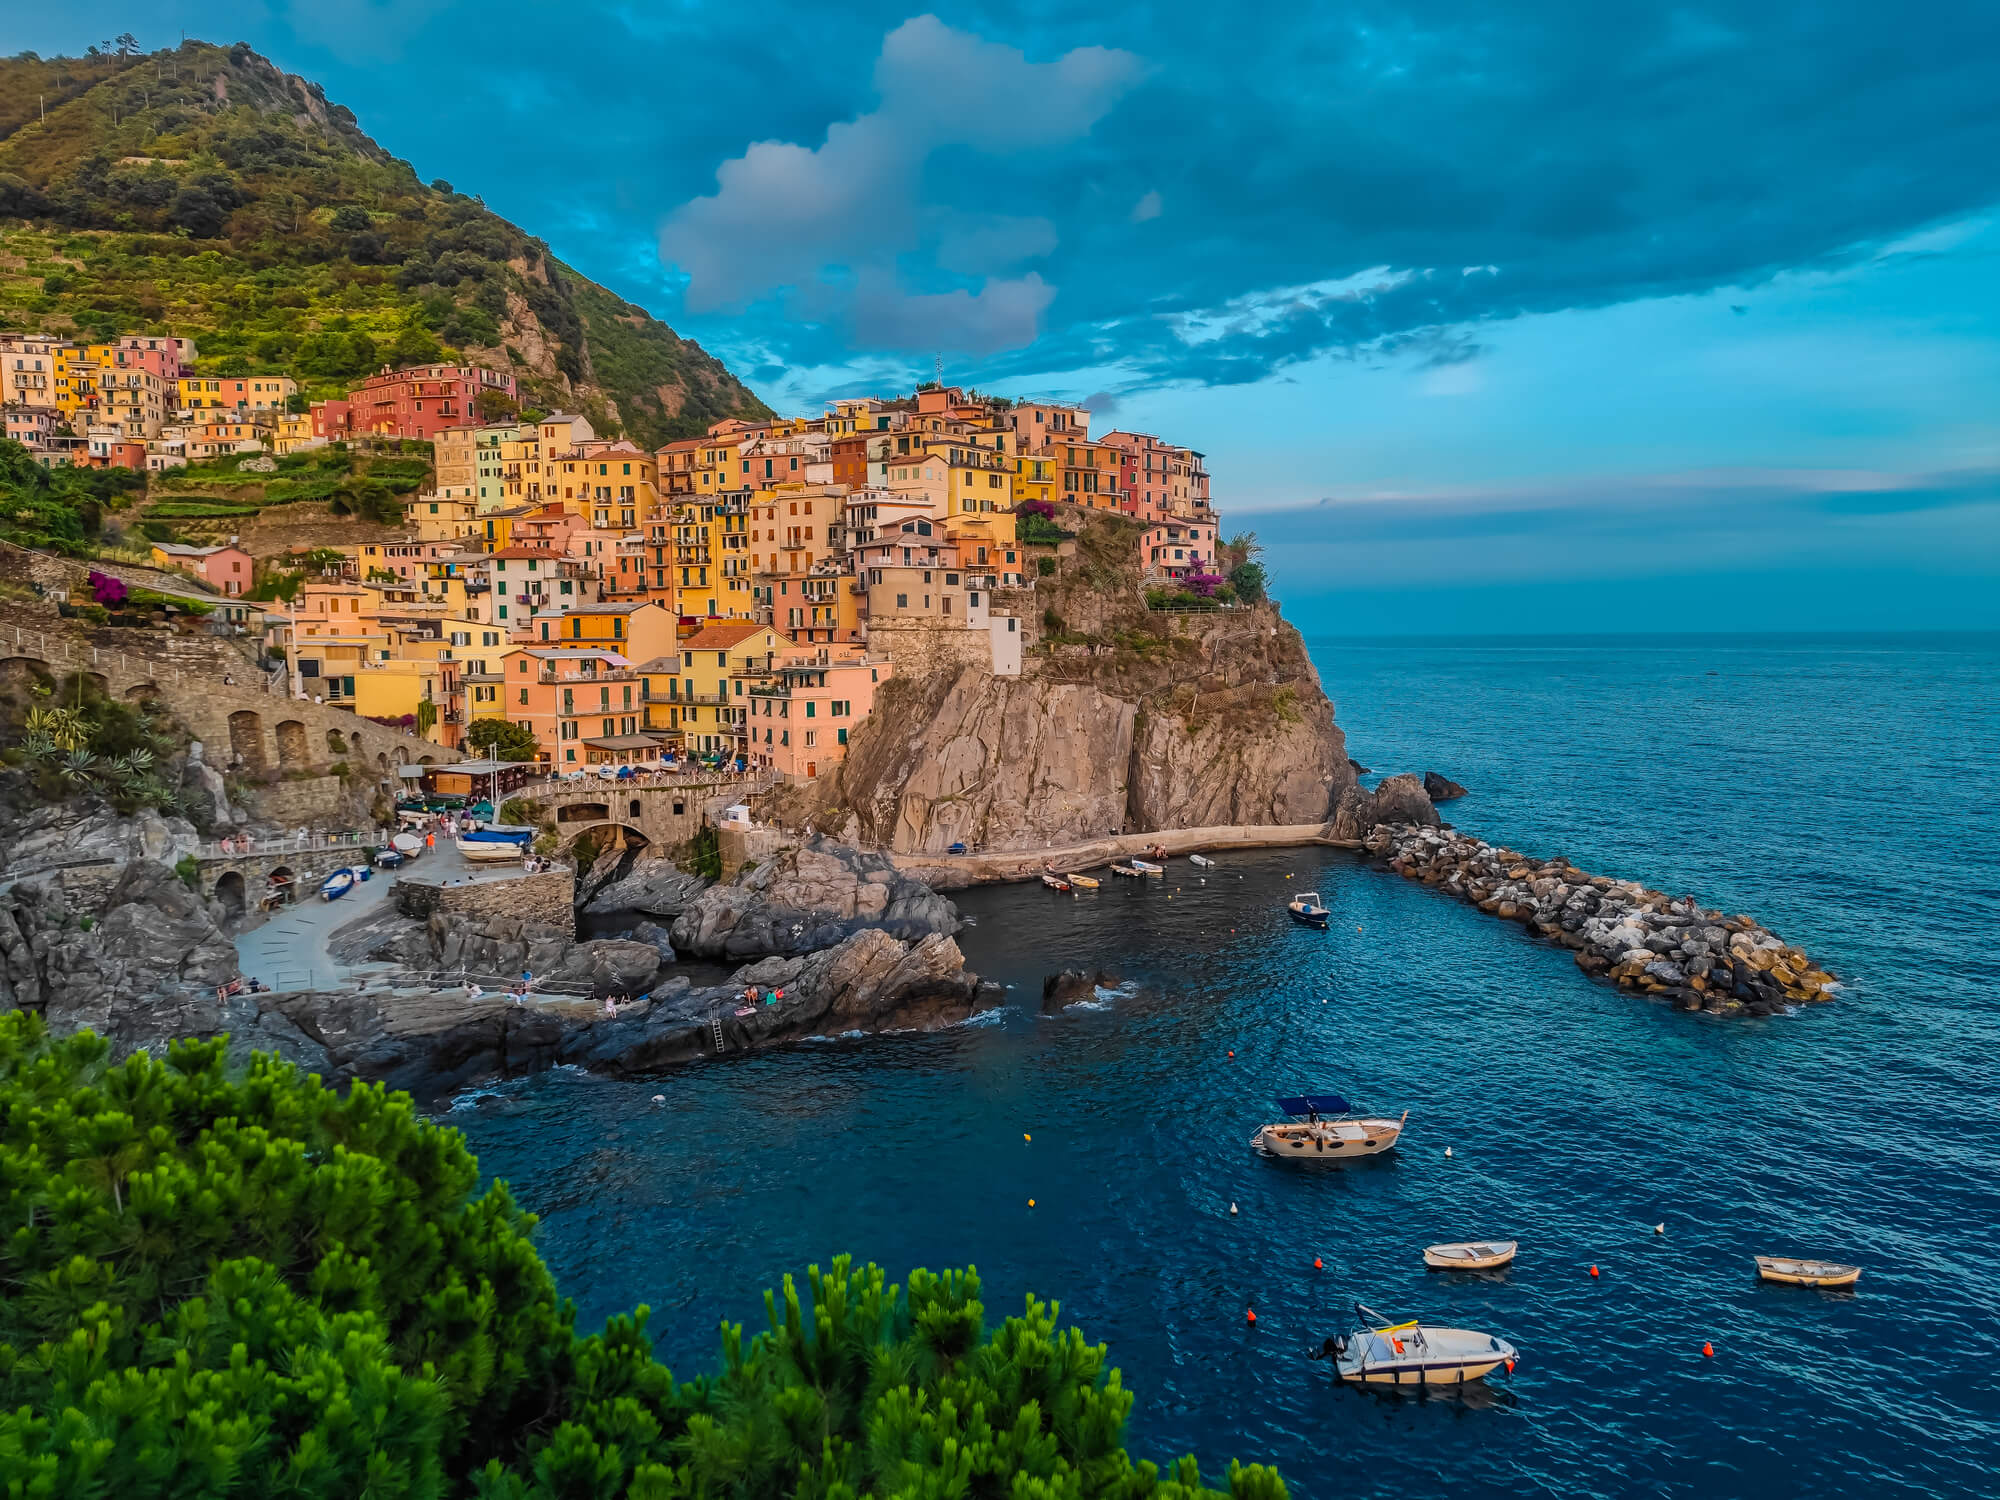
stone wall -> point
(921, 649)
(548, 898)
(308, 802)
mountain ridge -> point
(201, 190)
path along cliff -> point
(1124, 719)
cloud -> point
(830, 231)
(1148, 207)
(1101, 403)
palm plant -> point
(77, 768)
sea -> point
(1841, 789)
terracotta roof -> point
(723, 634)
(548, 552)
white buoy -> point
(1659, 1229)
(659, 1098)
(1447, 1151)
(1232, 1208)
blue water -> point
(1842, 790)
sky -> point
(1667, 317)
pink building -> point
(1178, 548)
(799, 722)
(422, 401)
(168, 358)
(226, 569)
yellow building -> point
(76, 381)
(294, 434)
(705, 701)
(437, 517)
(234, 393)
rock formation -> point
(434, 1041)
(807, 897)
(1397, 800)
(1441, 788)
(80, 833)
(1068, 986)
(629, 881)
(1642, 939)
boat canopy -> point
(1316, 1104)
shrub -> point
(1038, 531)
(1248, 581)
(1046, 566)
(189, 871)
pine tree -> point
(243, 1284)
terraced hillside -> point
(202, 191)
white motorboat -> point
(1471, 1255)
(1201, 859)
(1325, 1127)
(409, 845)
(1307, 910)
(1795, 1272)
(1414, 1354)
(1128, 872)
(1146, 867)
(480, 852)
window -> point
(902, 601)
(841, 735)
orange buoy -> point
(1316, 1265)
(1510, 1367)
(1031, 1203)
(1708, 1351)
(1593, 1270)
(1252, 1314)
(1232, 1051)
(1025, 1136)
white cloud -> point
(1147, 207)
(824, 226)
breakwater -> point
(1640, 939)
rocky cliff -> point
(1124, 719)
(807, 898)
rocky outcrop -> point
(655, 886)
(204, 794)
(433, 1041)
(496, 948)
(1068, 986)
(1638, 938)
(1398, 800)
(807, 897)
(73, 834)
(1441, 788)
(143, 968)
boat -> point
(1055, 882)
(409, 845)
(1084, 882)
(336, 885)
(500, 833)
(1306, 910)
(1146, 867)
(1413, 1353)
(1325, 1127)
(1128, 871)
(484, 852)
(388, 859)
(361, 872)
(1795, 1272)
(1471, 1255)
(1201, 859)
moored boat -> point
(1084, 882)
(1794, 1272)
(1306, 909)
(480, 852)
(1055, 882)
(500, 833)
(1147, 867)
(1471, 1255)
(1414, 1353)
(1128, 872)
(1325, 1127)
(336, 885)
(409, 845)
(1201, 859)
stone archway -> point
(232, 895)
(382, 762)
(336, 743)
(584, 812)
(246, 737)
(142, 692)
(293, 747)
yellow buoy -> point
(1025, 1136)
(1031, 1203)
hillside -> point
(201, 191)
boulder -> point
(1068, 986)
(807, 897)
(1399, 800)
(655, 886)
(612, 966)
(1441, 788)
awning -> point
(412, 773)
(625, 742)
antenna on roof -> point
(939, 366)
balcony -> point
(574, 678)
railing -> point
(242, 846)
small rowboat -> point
(1471, 1255)
(1145, 867)
(1793, 1272)
(1306, 910)
(1128, 871)
(409, 845)
(1201, 859)
(1084, 882)
(336, 885)
(1414, 1353)
(1055, 882)
(486, 852)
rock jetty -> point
(1638, 938)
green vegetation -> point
(703, 854)
(72, 738)
(200, 191)
(1046, 566)
(57, 510)
(502, 739)
(242, 1284)
(1038, 531)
